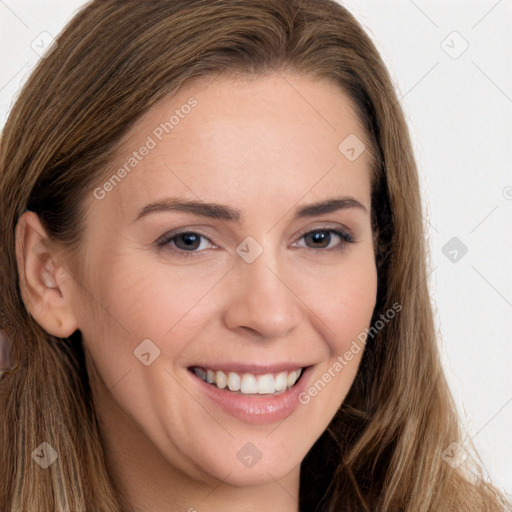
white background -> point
(459, 111)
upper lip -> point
(257, 369)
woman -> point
(214, 281)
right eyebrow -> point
(211, 210)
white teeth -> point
(221, 379)
(266, 384)
(292, 378)
(249, 383)
(233, 381)
(280, 381)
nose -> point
(262, 299)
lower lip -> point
(257, 410)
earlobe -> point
(45, 286)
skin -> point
(265, 148)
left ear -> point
(46, 286)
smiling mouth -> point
(249, 383)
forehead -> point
(256, 142)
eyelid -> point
(167, 237)
(327, 227)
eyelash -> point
(346, 238)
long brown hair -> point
(114, 60)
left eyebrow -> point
(329, 206)
(219, 211)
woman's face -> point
(198, 257)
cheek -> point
(149, 298)
(345, 300)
